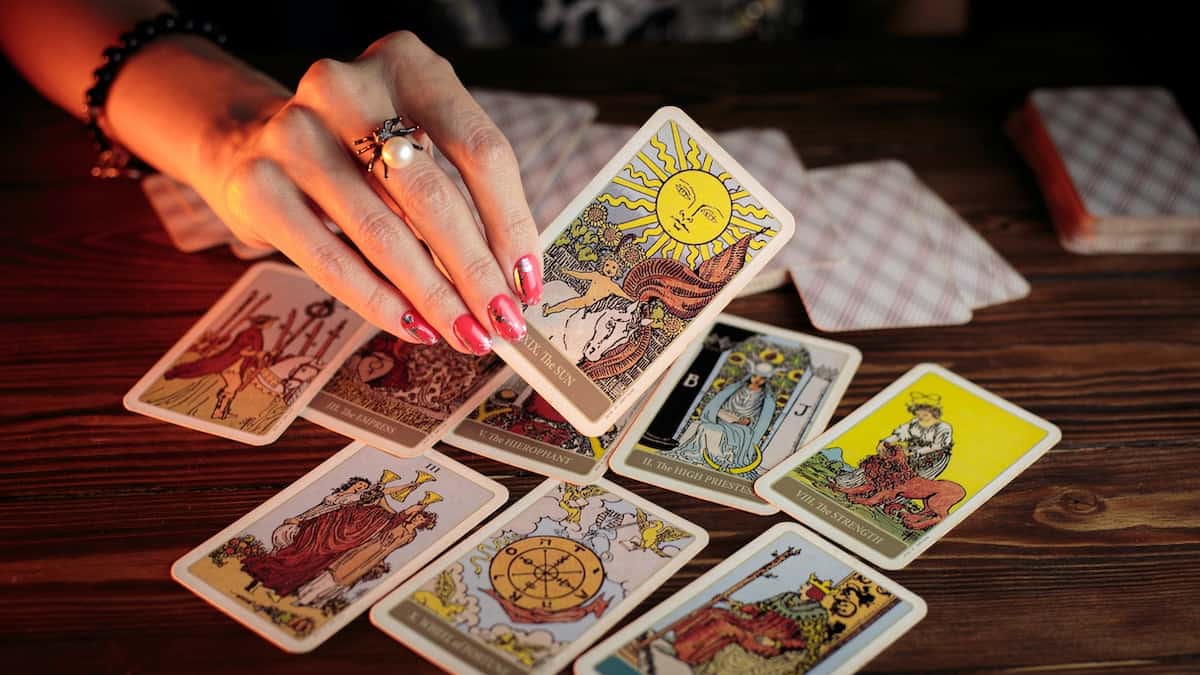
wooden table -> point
(1088, 561)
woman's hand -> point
(271, 180)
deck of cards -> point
(629, 363)
(1119, 167)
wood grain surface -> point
(1089, 561)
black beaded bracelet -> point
(113, 160)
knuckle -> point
(487, 147)
(439, 65)
(321, 73)
(378, 303)
(379, 228)
(433, 191)
(330, 263)
(402, 43)
(518, 226)
(436, 297)
(249, 181)
(478, 269)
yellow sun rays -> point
(678, 232)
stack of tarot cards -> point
(1119, 168)
(651, 379)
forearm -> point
(176, 103)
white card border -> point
(763, 485)
(133, 404)
(586, 665)
(388, 445)
(246, 617)
(451, 663)
(618, 458)
(562, 403)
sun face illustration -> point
(682, 205)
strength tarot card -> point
(736, 403)
(254, 360)
(518, 426)
(534, 588)
(787, 602)
(305, 563)
(636, 267)
(402, 397)
(897, 474)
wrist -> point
(186, 106)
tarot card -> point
(769, 156)
(638, 265)
(402, 397)
(541, 582)
(898, 473)
(891, 277)
(190, 224)
(595, 147)
(517, 426)
(302, 565)
(252, 363)
(787, 602)
(563, 145)
(739, 401)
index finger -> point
(433, 96)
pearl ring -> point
(390, 142)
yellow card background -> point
(987, 438)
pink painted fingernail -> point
(418, 327)
(506, 317)
(528, 280)
(472, 335)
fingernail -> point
(417, 327)
(472, 335)
(506, 317)
(528, 280)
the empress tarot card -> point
(737, 403)
(785, 603)
(248, 367)
(637, 265)
(518, 426)
(306, 562)
(401, 397)
(544, 579)
(895, 475)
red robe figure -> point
(233, 363)
(767, 628)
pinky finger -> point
(268, 198)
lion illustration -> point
(889, 479)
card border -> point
(450, 663)
(133, 404)
(541, 468)
(586, 664)
(371, 438)
(765, 490)
(618, 458)
(181, 573)
(561, 400)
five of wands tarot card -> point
(516, 425)
(737, 403)
(897, 474)
(638, 265)
(787, 602)
(302, 565)
(541, 581)
(402, 397)
(254, 360)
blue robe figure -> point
(731, 425)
